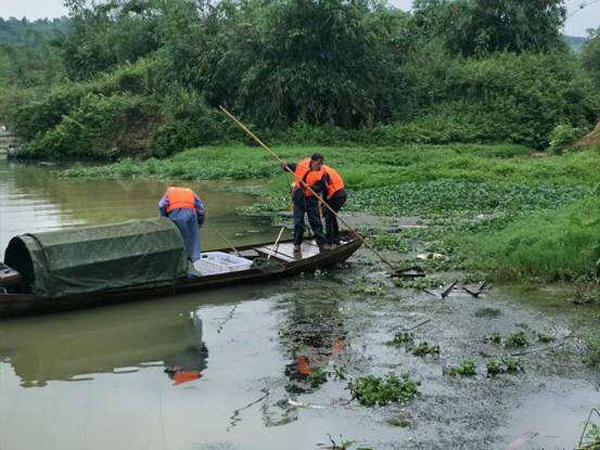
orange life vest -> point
(305, 176)
(335, 183)
(180, 198)
(302, 169)
(313, 177)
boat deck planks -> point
(251, 253)
(266, 251)
(285, 250)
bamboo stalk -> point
(274, 155)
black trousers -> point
(310, 207)
(331, 223)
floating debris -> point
(304, 405)
(125, 369)
(434, 256)
(409, 272)
(152, 364)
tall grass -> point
(554, 245)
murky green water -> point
(235, 368)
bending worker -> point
(185, 208)
(335, 198)
(308, 172)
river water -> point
(234, 368)
(212, 370)
(32, 199)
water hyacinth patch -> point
(379, 391)
(466, 368)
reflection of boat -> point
(110, 342)
(131, 261)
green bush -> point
(562, 137)
(187, 122)
(118, 114)
(99, 127)
(39, 116)
(518, 98)
(516, 340)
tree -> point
(479, 27)
(108, 34)
(591, 55)
(316, 61)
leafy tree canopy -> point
(479, 27)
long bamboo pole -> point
(274, 155)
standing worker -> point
(308, 172)
(335, 198)
(185, 208)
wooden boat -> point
(271, 262)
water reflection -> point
(313, 336)
(189, 364)
(73, 350)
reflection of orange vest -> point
(180, 198)
(335, 182)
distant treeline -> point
(26, 54)
(576, 43)
(144, 77)
(15, 31)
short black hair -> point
(317, 157)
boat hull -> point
(25, 304)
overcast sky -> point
(36, 9)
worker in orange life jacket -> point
(335, 198)
(308, 172)
(186, 209)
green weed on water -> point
(379, 391)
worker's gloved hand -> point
(200, 221)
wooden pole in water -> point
(274, 155)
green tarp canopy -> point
(137, 253)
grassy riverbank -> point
(499, 208)
(368, 167)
